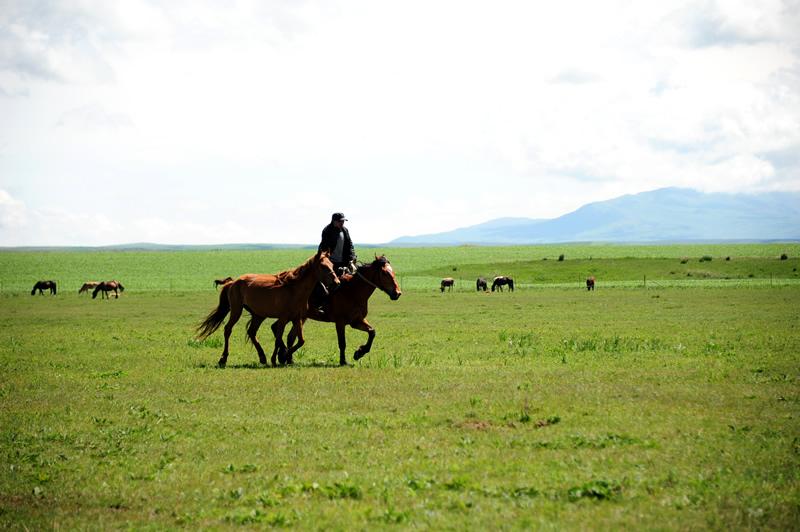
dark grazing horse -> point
(41, 286)
(89, 285)
(590, 283)
(218, 282)
(447, 282)
(283, 296)
(348, 306)
(480, 284)
(502, 280)
(108, 286)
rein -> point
(367, 280)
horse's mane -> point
(289, 276)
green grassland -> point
(670, 407)
(418, 268)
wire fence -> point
(412, 283)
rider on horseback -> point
(336, 240)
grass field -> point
(671, 407)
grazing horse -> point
(218, 282)
(590, 283)
(348, 306)
(480, 284)
(447, 282)
(41, 286)
(283, 296)
(88, 286)
(501, 280)
(108, 286)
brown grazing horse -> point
(502, 280)
(108, 286)
(348, 306)
(447, 282)
(218, 282)
(590, 283)
(283, 296)
(88, 286)
(41, 286)
(480, 284)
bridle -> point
(367, 280)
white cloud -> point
(410, 116)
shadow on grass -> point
(257, 365)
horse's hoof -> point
(358, 355)
(263, 360)
(343, 364)
(221, 363)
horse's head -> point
(325, 270)
(121, 288)
(383, 277)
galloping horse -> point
(41, 286)
(218, 282)
(590, 283)
(447, 282)
(348, 306)
(480, 284)
(283, 296)
(108, 286)
(501, 280)
(88, 286)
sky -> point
(209, 122)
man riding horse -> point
(336, 241)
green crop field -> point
(669, 398)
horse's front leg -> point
(342, 342)
(295, 331)
(280, 348)
(363, 325)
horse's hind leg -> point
(363, 325)
(252, 329)
(236, 313)
(280, 348)
(295, 331)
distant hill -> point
(664, 215)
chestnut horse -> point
(108, 286)
(348, 306)
(590, 283)
(480, 284)
(283, 296)
(218, 282)
(90, 285)
(447, 282)
(41, 286)
(501, 280)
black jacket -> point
(329, 237)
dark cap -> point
(337, 216)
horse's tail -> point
(216, 317)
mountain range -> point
(663, 215)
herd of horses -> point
(103, 287)
(284, 297)
(481, 285)
(497, 283)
